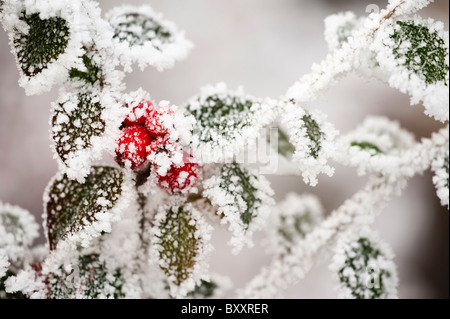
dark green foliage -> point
(45, 41)
(426, 55)
(367, 146)
(314, 134)
(358, 259)
(137, 29)
(222, 116)
(285, 147)
(204, 290)
(91, 76)
(90, 278)
(71, 206)
(179, 244)
(242, 190)
(81, 124)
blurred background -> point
(264, 45)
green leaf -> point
(205, 289)
(72, 207)
(89, 278)
(227, 120)
(92, 73)
(314, 134)
(364, 268)
(293, 219)
(425, 53)
(75, 121)
(242, 198)
(42, 45)
(136, 29)
(285, 148)
(180, 246)
(367, 146)
(18, 230)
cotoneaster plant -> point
(141, 228)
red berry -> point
(154, 124)
(132, 146)
(138, 114)
(180, 178)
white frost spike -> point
(291, 220)
(181, 232)
(363, 267)
(136, 41)
(243, 200)
(422, 80)
(440, 168)
(313, 138)
(18, 230)
(377, 145)
(56, 71)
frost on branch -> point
(180, 246)
(142, 36)
(441, 177)
(45, 39)
(79, 212)
(313, 138)
(363, 267)
(243, 199)
(292, 220)
(18, 230)
(377, 145)
(89, 277)
(415, 53)
(227, 121)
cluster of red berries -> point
(144, 136)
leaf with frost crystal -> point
(89, 277)
(363, 267)
(243, 199)
(45, 39)
(292, 220)
(18, 230)
(180, 245)
(227, 121)
(313, 138)
(440, 167)
(80, 212)
(340, 27)
(415, 52)
(375, 146)
(142, 36)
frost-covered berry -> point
(157, 121)
(131, 149)
(179, 179)
(138, 114)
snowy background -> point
(264, 45)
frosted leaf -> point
(340, 27)
(45, 39)
(415, 53)
(18, 230)
(441, 177)
(142, 36)
(180, 246)
(291, 220)
(363, 267)
(213, 288)
(79, 212)
(227, 121)
(242, 198)
(90, 277)
(313, 138)
(376, 145)
(4, 263)
(284, 147)
(90, 73)
(3, 293)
